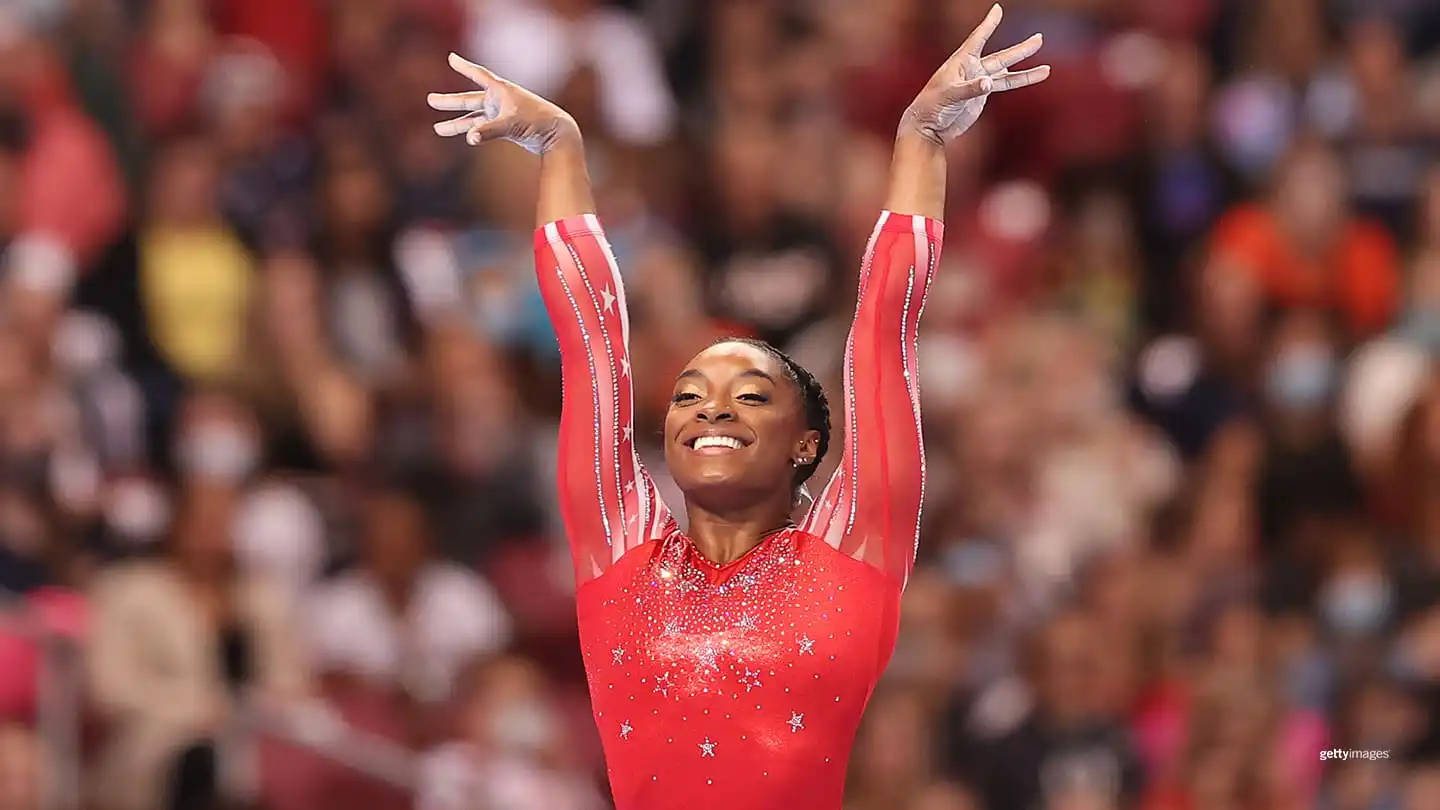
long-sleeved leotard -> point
(737, 685)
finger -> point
(472, 100)
(964, 91)
(475, 73)
(1025, 78)
(458, 126)
(1000, 60)
(487, 131)
(975, 43)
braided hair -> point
(812, 396)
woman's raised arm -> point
(871, 507)
(609, 503)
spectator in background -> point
(179, 285)
(1070, 747)
(509, 752)
(1303, 248)
(266, 164)
(183, 642)
(402, 621)
(1182, 185)
(365, 312)
(167, 63)
(541, 45)
(69, 187)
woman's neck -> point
(725, 536)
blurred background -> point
(278, 397)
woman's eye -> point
(684, 397)
(754, 398)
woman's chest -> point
(795, 617)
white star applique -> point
(662, 684)
(608, 297)
(618, 655)
(707, 749)
(751, 680)
(746, 622)
(671, 629)
(796, 722)
(625, 729)
(624, 367)
(629, 433)
(807, 644)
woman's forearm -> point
(564, 180)
(917, 176)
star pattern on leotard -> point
(796, 722)
(609, 298)
(751, 680)
(625, 729)
(707, 749)
(617, 655)
(746, 622)
(806, 644)
(662, 684)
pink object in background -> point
(53, 610)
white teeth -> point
(716, 441)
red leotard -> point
(737, 686)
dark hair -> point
(813, 401)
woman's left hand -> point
(955, 96)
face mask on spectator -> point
(523, 727)
(217, 451)
(280, 533)
(85, 343)
(136, 511)
(1301, 378)
(1356, 605)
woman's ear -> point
(808, 447)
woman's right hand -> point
(501, 111)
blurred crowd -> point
(278, 397)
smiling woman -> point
(729, 665)
(776, 402)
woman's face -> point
(735, 426)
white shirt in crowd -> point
(539, 50)
(454, 617)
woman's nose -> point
(715, 412)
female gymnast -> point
(729, 667)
